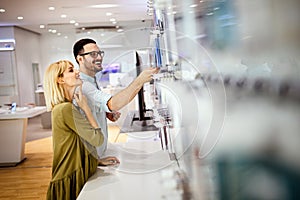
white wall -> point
(118, 47)
(8, 76)
(6, 33)
(54, 48)
(27, 52)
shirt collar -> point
(86, 77)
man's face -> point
(90, 63)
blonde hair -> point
(53, 91)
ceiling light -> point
(58, 34)
(72, 21)
(120, 30)
(112, 19)
(76, 24)
(51, 8)
(2, 10)
(63, 16)
(193, 5)
(53, 31)
(42, 26)
(103, 6)
(20, 17)
(114, 22)
(108, 14)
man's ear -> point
(79, 58)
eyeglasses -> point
(94, 54)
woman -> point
(75, 132)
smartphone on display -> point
(13, 107)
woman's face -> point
(71, 77)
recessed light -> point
(103, 6)
(42, 26)
(51, 8)
(112, 19)
(76, 24)
(63, 16)
(2, 10)
(193, 5)
(72, 21)
(20, 17)
(108, 14)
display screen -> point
(103, 76)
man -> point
(89, 57)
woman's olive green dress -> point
(74, 153)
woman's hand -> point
(83, 104)
(81, 99)
(108, 161)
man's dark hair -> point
(78, 46)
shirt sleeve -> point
(80, 125)
(97, 98)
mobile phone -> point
(13, 107)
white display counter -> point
(137, 177)
(13, 128)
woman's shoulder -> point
(63, 107)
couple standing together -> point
(79, 117)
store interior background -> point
(255, 38)
(246, 51)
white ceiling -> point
(36, 12)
